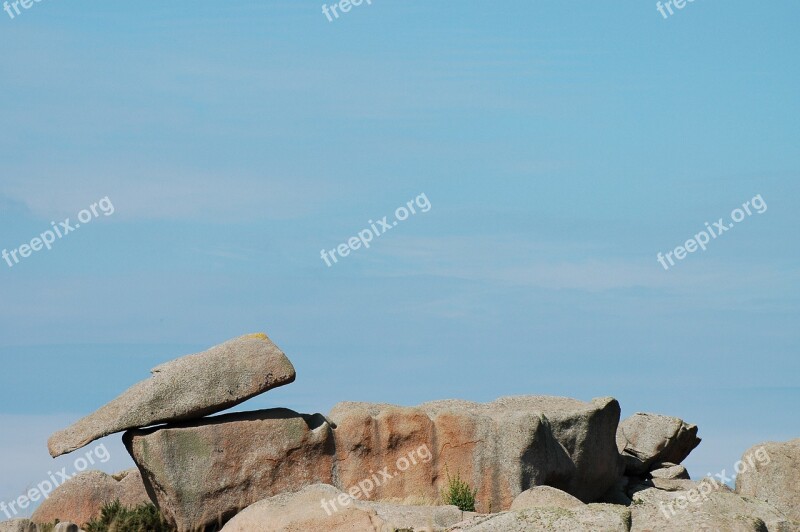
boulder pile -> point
(529, 462)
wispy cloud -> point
(565, 265)
(162, 194)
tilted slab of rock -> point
(500, 448)
(769, 472)
(311, 509)
(202, 472)
(704, 505)
(186, 388)
(647, 439)
(81, 498)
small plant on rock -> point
(459, 493)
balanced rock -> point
(647, 439)
(201, 473)
(768, 472)
(324, 507)
(189, 387)
(500, 449)
(81, 498)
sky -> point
(561, 148)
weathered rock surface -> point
(501, 448)
(66, 527)
(647, 439)
(669, 471)
(543, 496)
(588, 432)
(187, 388)
(18, 525)
(201, 473)
(769, 472)
(706, 505)
(304, 511)
(588, 518)
(80, 499)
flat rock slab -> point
(186, 388)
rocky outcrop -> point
(535, 461)
(704, 505)
(201, 473)
(769, 472)
(588, 518)
(647, 439)
(187, 388)
(324, 507)
(544, 496)
(500, 448)
(80, 499)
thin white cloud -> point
(517, 261)
(142, 193)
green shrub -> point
(458, 493)
(117, 518)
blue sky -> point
(561, 147)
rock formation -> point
(187, 388)
(532, 462)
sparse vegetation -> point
(459, 493)
(117, 518)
